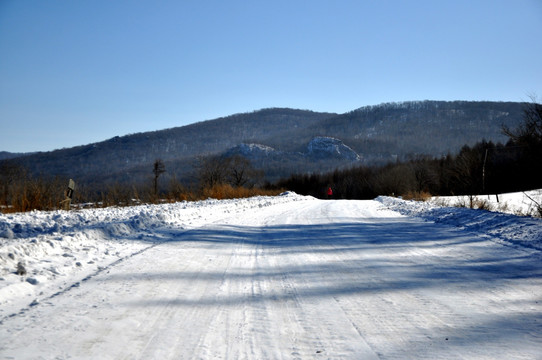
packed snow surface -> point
(286, 277)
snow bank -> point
(508, 228)
(518, 203)
(56, 249)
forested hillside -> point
(377, 134)
(423, 127)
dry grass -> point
(417, 195)
(32, 194)
(41, 195)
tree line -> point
(484, 168)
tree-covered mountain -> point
(418, 127)
(374, 134)
(8, 155)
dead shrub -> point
(482, 204)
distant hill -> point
(281, 141)
(8, 155)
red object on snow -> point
(329, 191)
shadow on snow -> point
(353, 258)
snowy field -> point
(286, 277)
(520, 203)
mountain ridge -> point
(376, 133)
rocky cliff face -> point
(325, 147)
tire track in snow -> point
(310, 323)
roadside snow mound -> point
(512, 229)
(59, 248)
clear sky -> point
(77, 72)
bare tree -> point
(236, 171)
(529, 133)
(241, 172)
(212, 171)
(527, 145)
(158, 169)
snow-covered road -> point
(291, 279)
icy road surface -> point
(304, 279)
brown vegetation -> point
(21, 193)
(417, 196)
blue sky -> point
(77, 72)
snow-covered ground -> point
(519, 203)
(286, 277)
